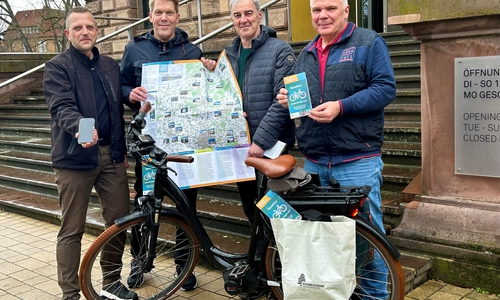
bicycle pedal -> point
(234, 278)
(239, 271)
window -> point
(145, 10)
(42, 47)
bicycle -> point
(170, 241)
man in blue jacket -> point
(81, 83)
(165, 42)
(351, 80)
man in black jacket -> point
(80, 83)
(165, 42)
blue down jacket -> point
(271, 59)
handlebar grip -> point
(138, 121)
(180, 158)
(142, 112)
(145, 107)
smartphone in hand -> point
(86, 130)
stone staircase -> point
(27, 182)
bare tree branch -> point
(29, 35)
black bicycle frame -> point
(165, 186)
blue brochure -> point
(299, 101)
(275, 207)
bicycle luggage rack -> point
(328, 200)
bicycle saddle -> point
(272, 168)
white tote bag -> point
(318, 258)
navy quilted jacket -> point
(271, 59)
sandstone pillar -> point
(457, 217)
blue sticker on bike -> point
(299, 101)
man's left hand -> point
(325, 112)
(255, 151)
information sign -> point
(477, 116)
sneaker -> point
(190, 284)
(118, 291)
(136, 278)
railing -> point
(139, 22)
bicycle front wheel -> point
(378, 274)
(110, 257)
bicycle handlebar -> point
(180, 158)
(139, 145)
(139, 118)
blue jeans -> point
(366, 171)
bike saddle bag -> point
(296, 178)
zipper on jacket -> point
(115, 99)
(72, 145)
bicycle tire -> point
(395, 282)
(162, 281)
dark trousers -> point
(75, 187)
(250, 193)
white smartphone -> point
(86, 130)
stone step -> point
(34, 99)
(406, 68)
(416, 269)
(399, 56)
(33, 173)
(404, 109)
(397, 36)
(405, 155)
(28, 106)
(407, 132)
(410, 81)
(224, 218)
(29, 144)
(235, 237)
(29, 109)
(402, 45)
(41, 119)
(17, 158)
(39, 130)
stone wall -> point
(215, 14)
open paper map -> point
(199, 113)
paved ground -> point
(28, 268)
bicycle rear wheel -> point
(378, 274)
(104, 263)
